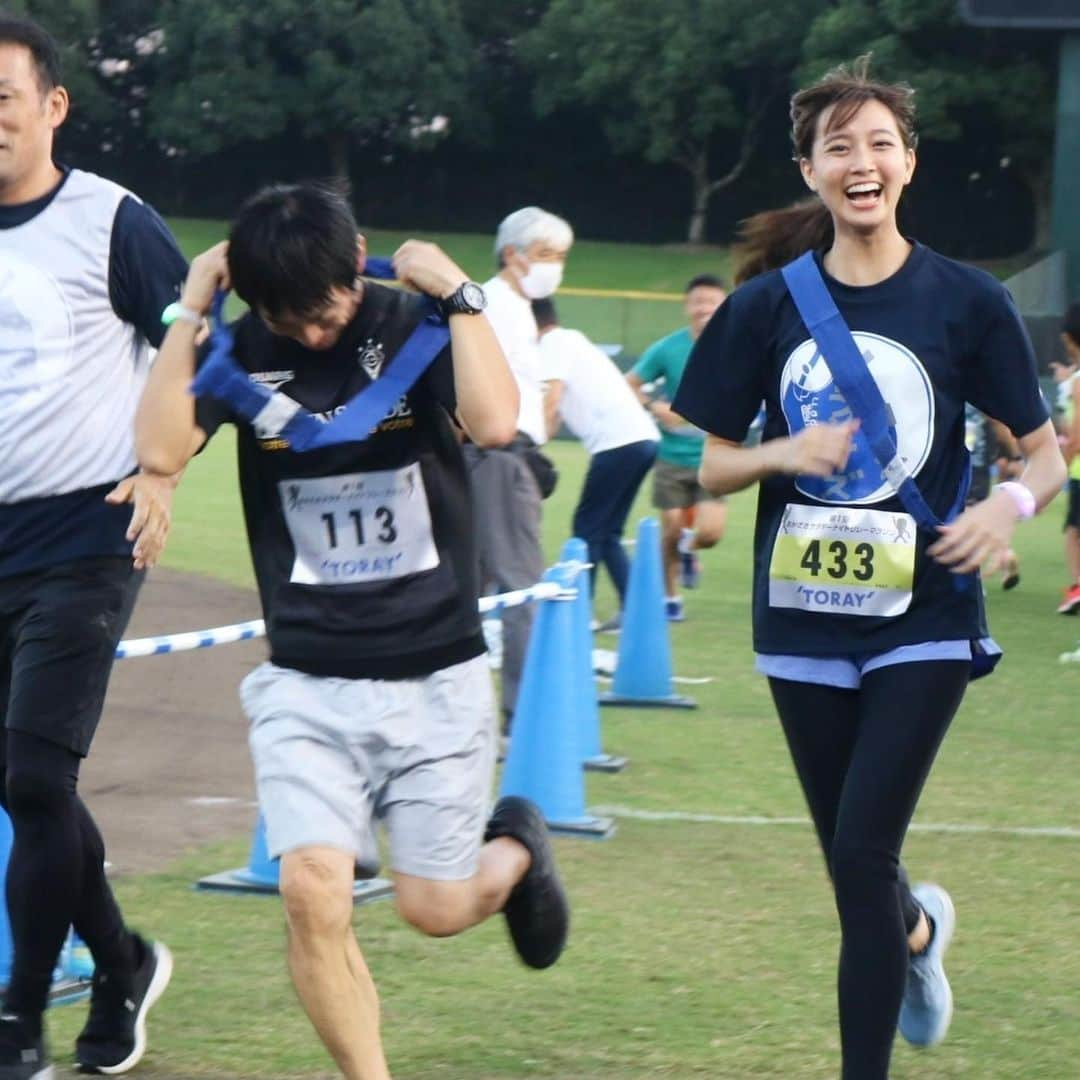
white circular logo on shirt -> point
(35, 325)
(808, 395)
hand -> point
(980, 535)
(209, 272)
(151, 496)
(818, 450)
(428, 269)
(665, 415)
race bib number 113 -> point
(360, 527)
(848, 561)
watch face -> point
(473, 296)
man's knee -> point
(317, 894)
(709, 524)
(435, 908)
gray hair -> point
(526, 226)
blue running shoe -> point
(927, 1009)
(673, 609)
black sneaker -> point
(537, 912)
(22, 1056)
(114, 1038)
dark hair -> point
(1071, 324)
(290, 246)
(704, 281)
(773, 238)
(41, 45)
(544, 312)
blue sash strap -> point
(828, 329)
(273, 414)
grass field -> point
(699, 949)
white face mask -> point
(542, 279)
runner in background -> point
(691, 518)
(586, 390)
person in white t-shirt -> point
(509, 483)
(588, 392)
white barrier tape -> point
(225, 635)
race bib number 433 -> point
(843, 561)
(359, 528)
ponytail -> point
(771, 239)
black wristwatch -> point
(467, 299)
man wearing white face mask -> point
(531, 246)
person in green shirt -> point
(691, 518)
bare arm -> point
(983, 532)
(1071, 446)
(552, 398)
(166, 435)
(660, 411)
(487, 394)
(819, 450)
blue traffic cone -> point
(643, 669)
(545, 756)
(262, 875)
(576, 551)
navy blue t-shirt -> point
(937, 334)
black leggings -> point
(862, 757)
(56, 876)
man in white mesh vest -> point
(85, 271)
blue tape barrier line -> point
(256, 628)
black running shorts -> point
(59, 629)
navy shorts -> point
(59, 629)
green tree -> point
(991, 90)
(685, 82)
(73, 23)
(343, 72)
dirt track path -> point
(172, 741)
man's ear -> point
(57, 106)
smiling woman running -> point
(868, 618)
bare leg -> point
(671, 526)
(443, 908)
(1072, 553)
(919, 938)
(327, 968)
(710, 522)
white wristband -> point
(178, 312)
(1022, 498)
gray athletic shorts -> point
(335, 756)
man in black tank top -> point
(376, 704)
